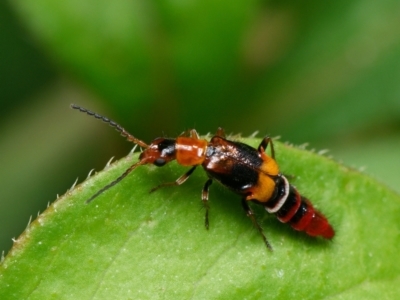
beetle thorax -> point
(190, 151)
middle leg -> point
(204, 198)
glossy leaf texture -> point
(130, 244)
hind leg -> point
(250, 214)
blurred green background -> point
(327, 74)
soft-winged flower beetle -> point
(243, 169)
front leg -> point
(250, 214)
(179, 181)
(191, 133)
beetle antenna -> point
(126, 173)
(118, 127)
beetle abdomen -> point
(290, 207)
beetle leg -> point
(251, 215)
(204, 198)
(190, 133)
(220, 132)
(185, 133)
(179, 181)
(264, 145)
(290, 176)
(194, 134)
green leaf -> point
(129, 244)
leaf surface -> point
(130, 244)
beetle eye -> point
(159, 162)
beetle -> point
(247, 171)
